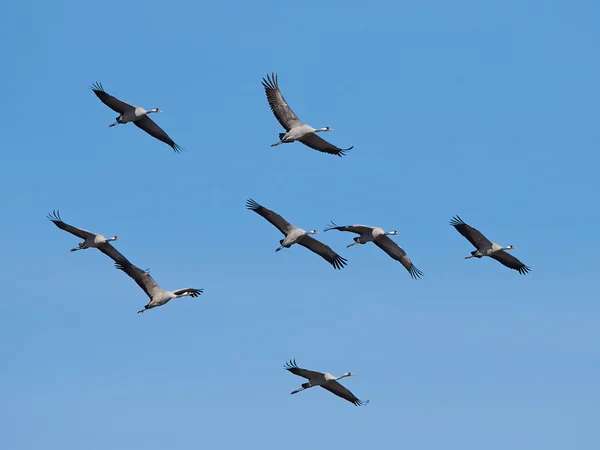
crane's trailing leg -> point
(350, 245)
(142, 310)
(75, 249)
(304, 386)
(280, 247)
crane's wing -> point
(478, 240)
(510, 261)
(339, 390)
(112, 253)
(142, 278)
(280, 223)
(358, 229)
(397, 253)
(150, 127)
(113, 103)
(54, 216)
(313, 141)
(192, 292)
(282, 111)
(308, 374)
(324, 251)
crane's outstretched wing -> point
(304, 373)
(324, 251)
(478, 240)
(510, 261)
(150, 127)
(143, 279)
(313, 141)
(280, 223)
(339, 390)
(282, 111)
(397, 253)
(112, 102)
(192, 292)
(358, 229)
(54, 216)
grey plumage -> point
(325, 380)
(294, 235)
(90, 240)
(487, 248)
(379, 237)
(296, 130)
(137, 115)
(158, 296)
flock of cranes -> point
(296, 130)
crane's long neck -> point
(340, 377)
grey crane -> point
(295, 235)
(487, 248)
(90, 240)
(158, 296)
(380, 238)
(135, 114)
(295, 129)
(325, 380)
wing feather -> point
(324, 251)
(396, 252)
(275, 219)
(315, 142)
(150, 127)
(336, 388)
(358, 229)
(142, 278)
(292, 367)
(281, 110)
(112, 102)
(510, 261)
(473, 235)
(54, 217)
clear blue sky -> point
(488, 110)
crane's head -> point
(154, 110)
(348, 374)
(114, 238)
(326, 129)
(509, 247)
(393, 232)
(312, 232)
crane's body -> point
(137, 115)
(485, 247)
(294, 235)
(295, 129)
(324, 380)
(380, 238)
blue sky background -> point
(486, 110)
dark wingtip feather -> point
(54, 216)
(271, 82)
(291, 364)
(120, 263)
(456, 221)
(343, 151)
(360, 402)
(331, 226)
(523, 270)
(177, 148)
(251, 204)
(415, 273)
(339, 262)
(97, 87)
